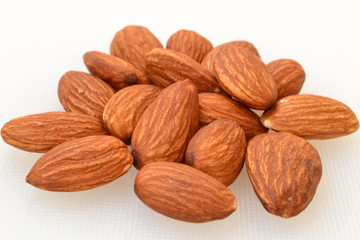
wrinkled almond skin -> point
(218, 149)
(83, 93)
(190, 43)
(311, 117)
(113, 70)
(288, 75)
(165, 66)
(184, 193)
(284, 170)
(132, 43)
(126, 107)
(167, 125)
(81, 164)
(43, 131)
(216, 106)
(245, 77)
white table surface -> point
(40, 40)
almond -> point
(218, 149)
(81, 164)
(165, 66)
(125, 108)
(216, 106)
(83, 93)
(184, 193)
(132, 43)
(288, 75)
(190, 43)
(43, 131)
(113, 70)
(284, 170)
(311, 117)
(245, 77)
(167, 125)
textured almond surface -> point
(115, 71)
(245, 77)
(216, 106)
(81, 164)
(284, 170)
(167, 125)
(83, 93)
(218, 149)
(126, 107)
(165, 66)
(183, 192)
(43, 131)
(190, 43)
(132, 43)
(288, 75)
(311, 117)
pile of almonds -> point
(186, 111)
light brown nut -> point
(165, 66)
(81, 164)
(245, 77)
(311, 117)
(284, 170)
(218, 149)
(43, 131)
(113, 70)
(216, 106)
(126, 107)
(190, 43)
(83, 93)
(288, 75)
(132, 43)
(184, 193)
(167, 125)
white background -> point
(40, 40)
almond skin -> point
(167, 125)
(311, 117)
(288, 75)
(165, 66)
(113, 70)
(245, 77)
(81, 164)
(83, 93)
(43, 131)
(190, 43)
(284, 170)
(184, 193)
(218, 149)
(132, 43)
(126, 107)
(216, 106)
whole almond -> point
(43, 131)
(184, 193)
(311, 117)
(125, 108)
(167, 125)
(113, 70)
(288, 75)
(216, 106)
(190, 43)
(284, 170)
(245, 77)
(165, 66)
(132, 43)
(83, 93)
(218, 149)
(81, 164)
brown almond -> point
(184, 193)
